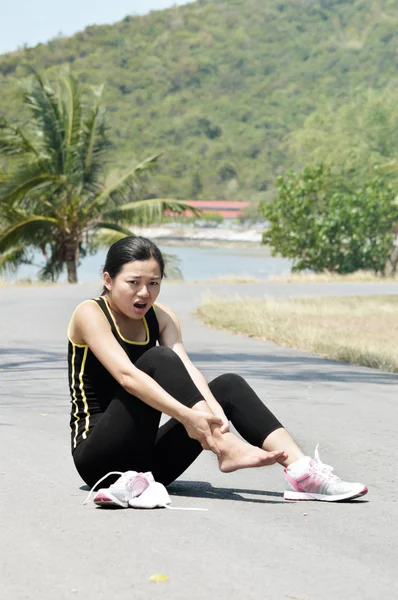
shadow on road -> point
(264, 366)
(289, 368)
(31, 358)
(203, 489)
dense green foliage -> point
(322, 225)
(354, 138)
(217, 85)
(54, 195)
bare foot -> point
(237, 454)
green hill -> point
(216, 85)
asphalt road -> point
(250, 544)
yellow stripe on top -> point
(119, 332)
(74, 398)
(83, 393)
(70, 323)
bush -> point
(322, 225)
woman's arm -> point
(90, 327)
(171, 337)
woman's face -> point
(134, 290)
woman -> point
(121, 382)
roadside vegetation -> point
(339, 214)
(327, 277)
(218, 86)
(55, 193)
(325, 221)
(360, 330)
(289, 105)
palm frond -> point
(72, 109)
(46, 107)
(113, 227)
(11, 260)
(13, 142)
(121, 190)
(105, 237)
(33, 230)
(19, 183)
(10, 213)
(145, 212)
(53, 268)
(94, 143)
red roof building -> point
(229, 209)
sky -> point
(33, 21)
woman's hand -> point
(221, 415)
(198, 425)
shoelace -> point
(127, 476)
(87, 500)
(321, 467)
(182, 508)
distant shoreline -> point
(205, 237)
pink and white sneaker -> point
(129, 485)
(138, 490)
(311, 479)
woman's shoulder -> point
(85, 313)
(163, 311)
(87, 307)
(164, 315)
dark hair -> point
(132, 247)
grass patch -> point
(326, 277)
(358, 329)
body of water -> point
(194, 263)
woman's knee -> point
(225, 384)
(156, 356)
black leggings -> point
(128, 437)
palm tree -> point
(54, 195)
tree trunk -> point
(71, 261)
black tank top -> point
(91, 386)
